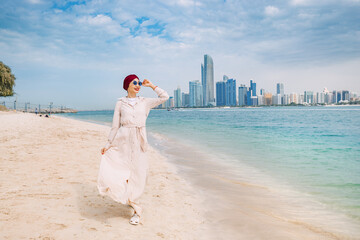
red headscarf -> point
(128, 80)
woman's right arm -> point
(115, 124)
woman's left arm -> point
(115, 124)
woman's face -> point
(134, 88)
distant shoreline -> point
(226, 107)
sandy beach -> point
(48, 190)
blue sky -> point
(76, 53)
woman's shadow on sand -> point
(92, 205)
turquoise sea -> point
(316, 150)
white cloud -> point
(35, 1)
(183, 3)
(306, 15)
(321, 2)
(187, 3)
(271, 11)
(300, 2)
(98, 20)
(103, 23)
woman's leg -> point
(136, 207)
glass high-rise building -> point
(334, 98)
(251, 93)
(339, 96)
(169, 103)
(220, 93)
(185, 100)
(207, 81)
(320, 97)
(277, 99)
(254, 100)
(195, 93)
(262, 91)
(253, 88)
(230, 93)
(177, 97)
(345, 95)
(242, 95)
(308, 97)
(280, 89)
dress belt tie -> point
(140, 134)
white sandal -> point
(135, 219)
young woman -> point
(124, 165)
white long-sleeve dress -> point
(124, 166)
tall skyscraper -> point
(177, 97)
(253, 88)
(207, 81)
(280, 89)
(230, 93)
(220, 93)
(251, 93)
(334, 99)
(268, 99)
(260, 100)
(242, 95)
(254, 100)
(318, 97)
(293, 98)
(339, 96)
(328, 97)
(285, 99)
(185, 100)
(195, 93)
(278, 100)
(308, 97)
(169, 103)
(301, 98)
(345, 95)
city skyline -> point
(245, 96)
(248, 96)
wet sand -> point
(242, 203)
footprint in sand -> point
(160, 235)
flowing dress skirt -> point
(124, 169)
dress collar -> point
(126, 100)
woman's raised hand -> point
(146, 83)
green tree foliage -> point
(7, 81)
